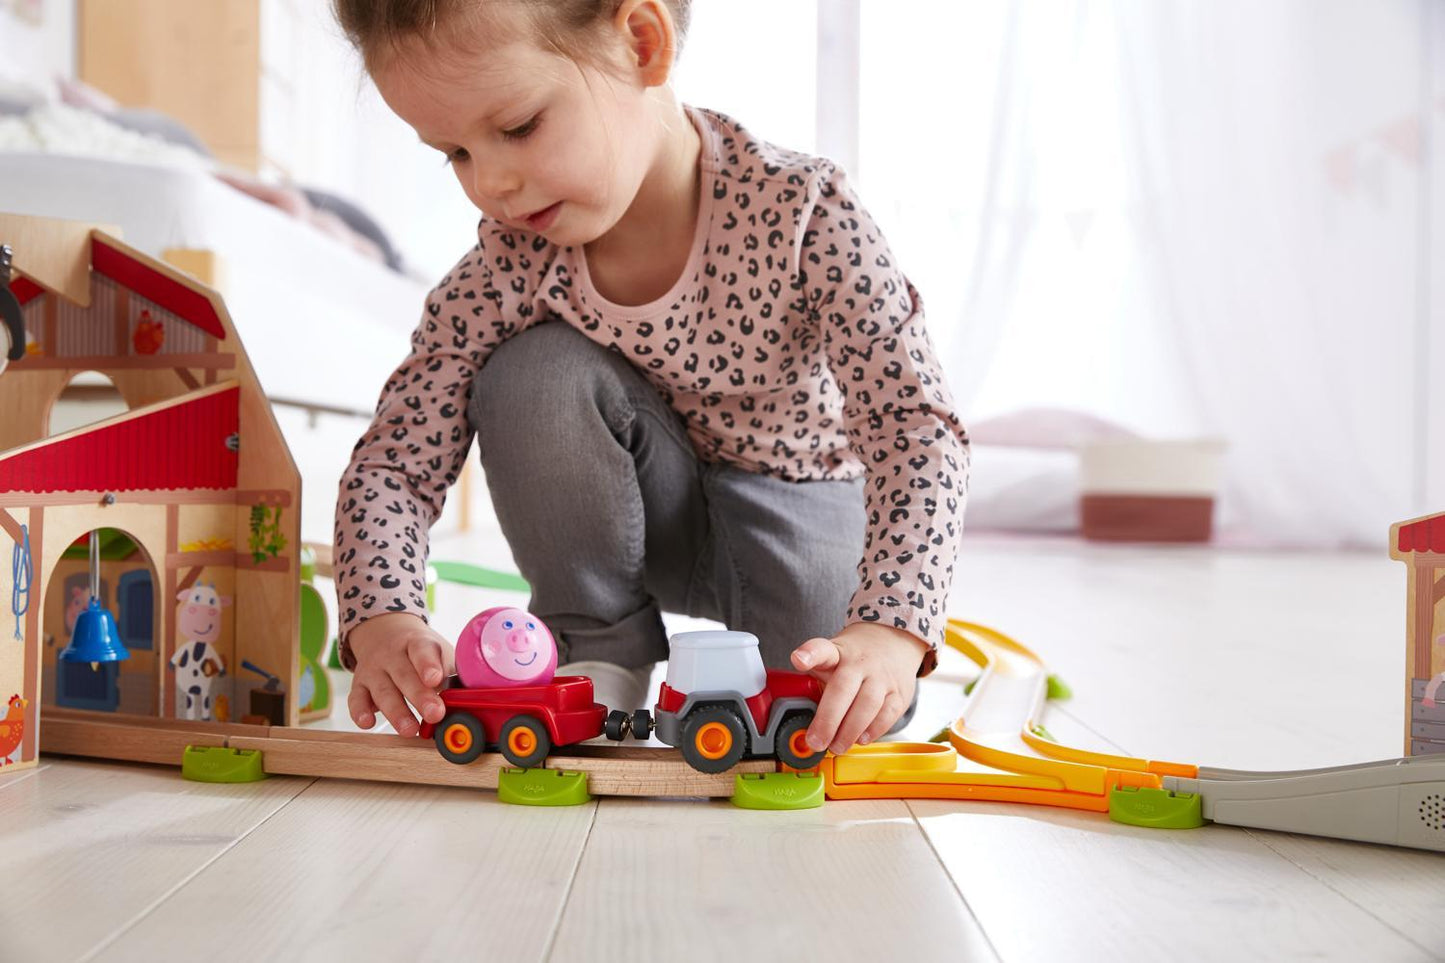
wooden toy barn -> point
(1420, 544)
(191, 495)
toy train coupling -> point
(620, 725)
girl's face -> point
(537, 141)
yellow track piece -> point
(994, 753)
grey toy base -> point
(1398, 802)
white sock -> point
(612, 685)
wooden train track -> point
(611, 770)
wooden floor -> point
(1246, 660)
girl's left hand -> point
(868, 673)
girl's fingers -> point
(388, 698)
(893, 707)
(426, 659)
(420, 683)
(837, 697)
(425, 698)
(363, 710)
(816, 656)
(860, 715)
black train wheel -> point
(714, 739)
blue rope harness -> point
(21, 572)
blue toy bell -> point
(96, 637)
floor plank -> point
(1051, 884)
(698, 881)
(93, 846)
(11, 777)
(1403, 888)
(356, 870)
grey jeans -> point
(613, 519)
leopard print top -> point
(791, 344)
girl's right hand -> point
(399, 659)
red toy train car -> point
(523, 722)
(508, 696)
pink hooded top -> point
(791, 344)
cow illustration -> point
(196, 662)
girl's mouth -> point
(543, 219)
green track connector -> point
(1059, 689)
(219, 764)
(1038, 729)
(777, 790)
(1156, 808)
(542, 787)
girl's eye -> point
(506, 625)
(530, 626)
(523, 131)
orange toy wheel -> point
(460, 738)
(792, 742)
(525, 742)
(713, 741)
(713, 738)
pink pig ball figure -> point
(505, 647)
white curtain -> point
(1187, 217)
(1275, 156)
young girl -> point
(697, 378)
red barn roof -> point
(1423, 535)
(182, 300)
(180, 444)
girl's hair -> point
(566, 26)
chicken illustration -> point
(12, 729)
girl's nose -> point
(493, 182)
(517, 641)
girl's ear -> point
(651, 36)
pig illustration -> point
(505, 647)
